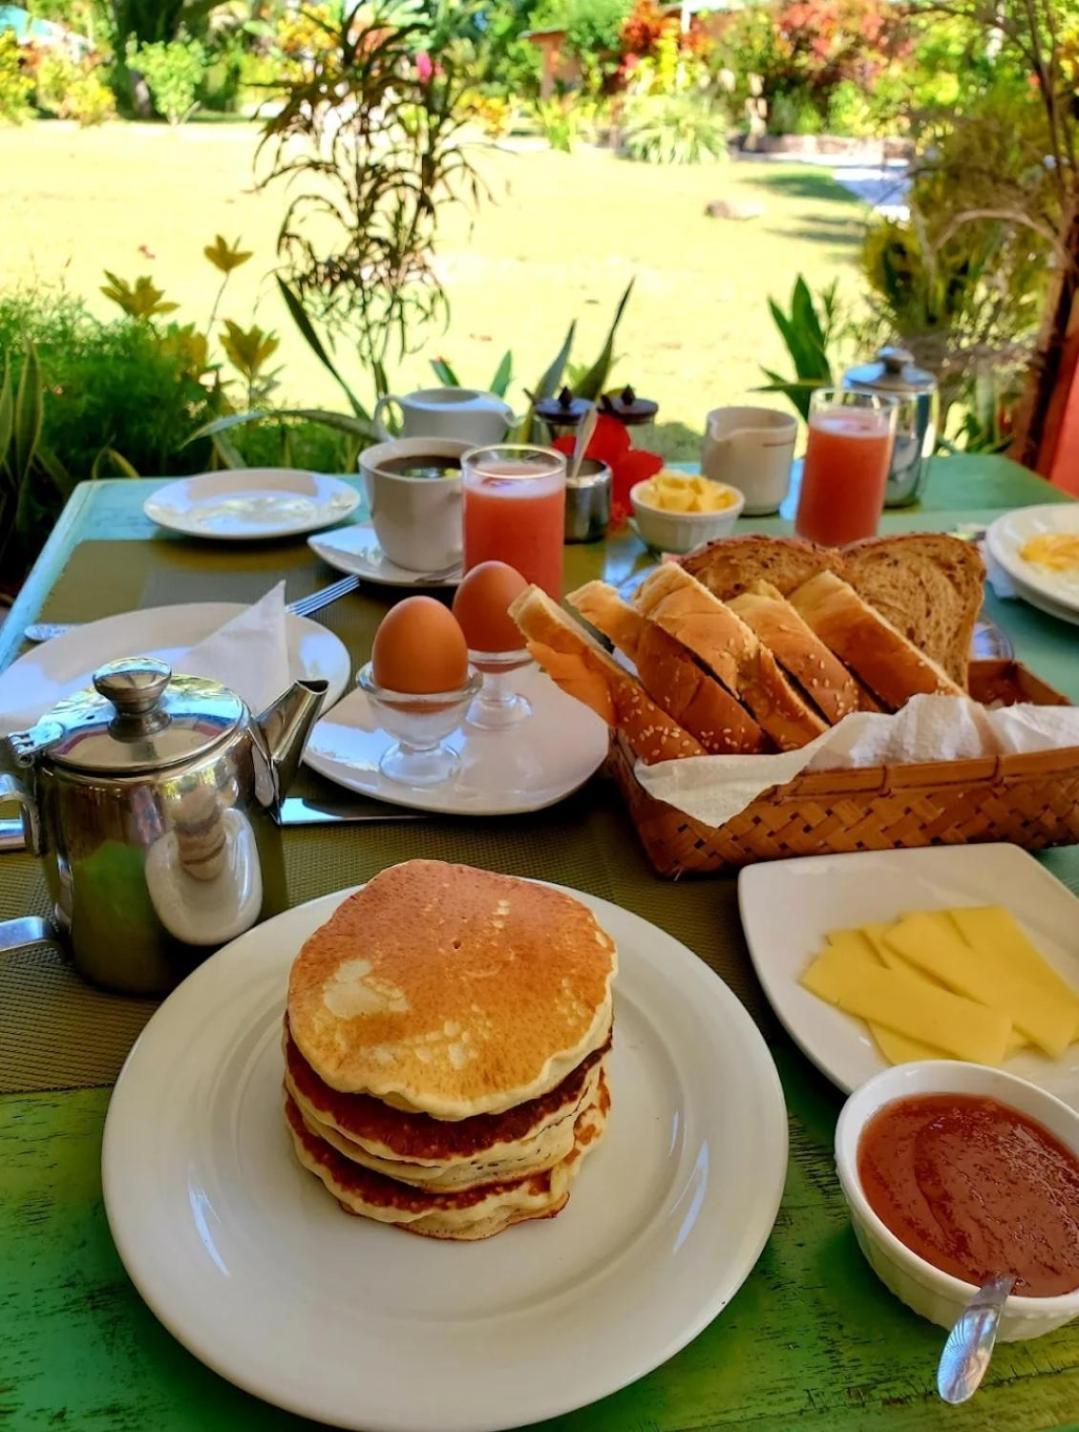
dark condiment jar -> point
(562, 414)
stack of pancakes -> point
(445, 1049)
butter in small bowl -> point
(680, 492)
(676, 512)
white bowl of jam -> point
(955, 1172)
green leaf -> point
(118, 461)
(382, 383)
(29, 412)
(594, 381)
(547, 384)
(55, 471)
(358, 427)
(444, 373)
(7, 407)
(503, 375)
(304, 324)
(798, 391)
(227, 451)
(804, 313)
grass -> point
(562, 239)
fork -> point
(302, 607)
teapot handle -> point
(29, 824)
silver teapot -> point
(895, 374)
(151, 803)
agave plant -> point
(33, 483)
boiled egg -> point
(1057, 551)
(481, 606)
(419, 648)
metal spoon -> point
(585, 428)
(969, 1347)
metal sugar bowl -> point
(895, 374)
(151, 803)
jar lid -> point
(893, 372)
(563, 411)
(628, 408)
(139, 717)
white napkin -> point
(249, 654)
(714, 789)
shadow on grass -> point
(826, 231)
(812, 184)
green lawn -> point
(562, 239)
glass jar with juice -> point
(515, 511)
(846, 465)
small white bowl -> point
(681, 532)
(924, 1288)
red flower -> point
(611, 443)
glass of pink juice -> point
(515, 511)
(851, 435)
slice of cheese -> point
(931, 942)
(991, 927)
(906, 1004)
(898, 1049)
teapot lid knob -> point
(134, 685)
(895, 359)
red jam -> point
(975, 1188)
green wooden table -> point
(812, 1338)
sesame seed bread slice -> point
(671, 674)
(799, 651)
(580, 666)
(686, 610)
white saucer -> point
(355, 550)
(39, 679)
(524, 767)
(251, 503)
(788, 906)
(246, 1258)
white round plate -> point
(45, 674)
(788, 906)
(1043, 603)
(248, 504)
(525, 767)
(246, 1258)
(1009, 534)
(355, 550)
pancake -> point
(439, 1153)
(461, 1215)
(450, 991)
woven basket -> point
(1030, 800)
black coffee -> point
(421, 467)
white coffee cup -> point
(417, 520)
(752, 449)
(460, 413)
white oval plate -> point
(252, 1265)
(249, 504)
(525, 767)
(355, 550)
(788, 906)
(44, 675)
(1011, 532)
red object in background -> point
(611, 443)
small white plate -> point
(788, 906)
(1009, 534)
(525, 767)
(249, 504)
(1043, 603)
(39, 679)
(249, 1262)
(355, 550)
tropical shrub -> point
(851, 112)
(683, 128)
(173, 71)
(562, 121)
(72, 90)
(16, 86)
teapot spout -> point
(284, 727)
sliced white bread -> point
(580, 666)
(930, 587)
(687, 611)
(891, 666)
(671, 674)
(799, 651)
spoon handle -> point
(970, 1343)
(585, 428)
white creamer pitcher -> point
(752, 449)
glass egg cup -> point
(420, 724)
(498, 705)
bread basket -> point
(1031, 800)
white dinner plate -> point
(1043, 603)
(244, 1256)
(45, 674)
(788, 906)
(525, 767)
(1010, 533)
(249, 504)
(355, 550)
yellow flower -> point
(226, 257)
